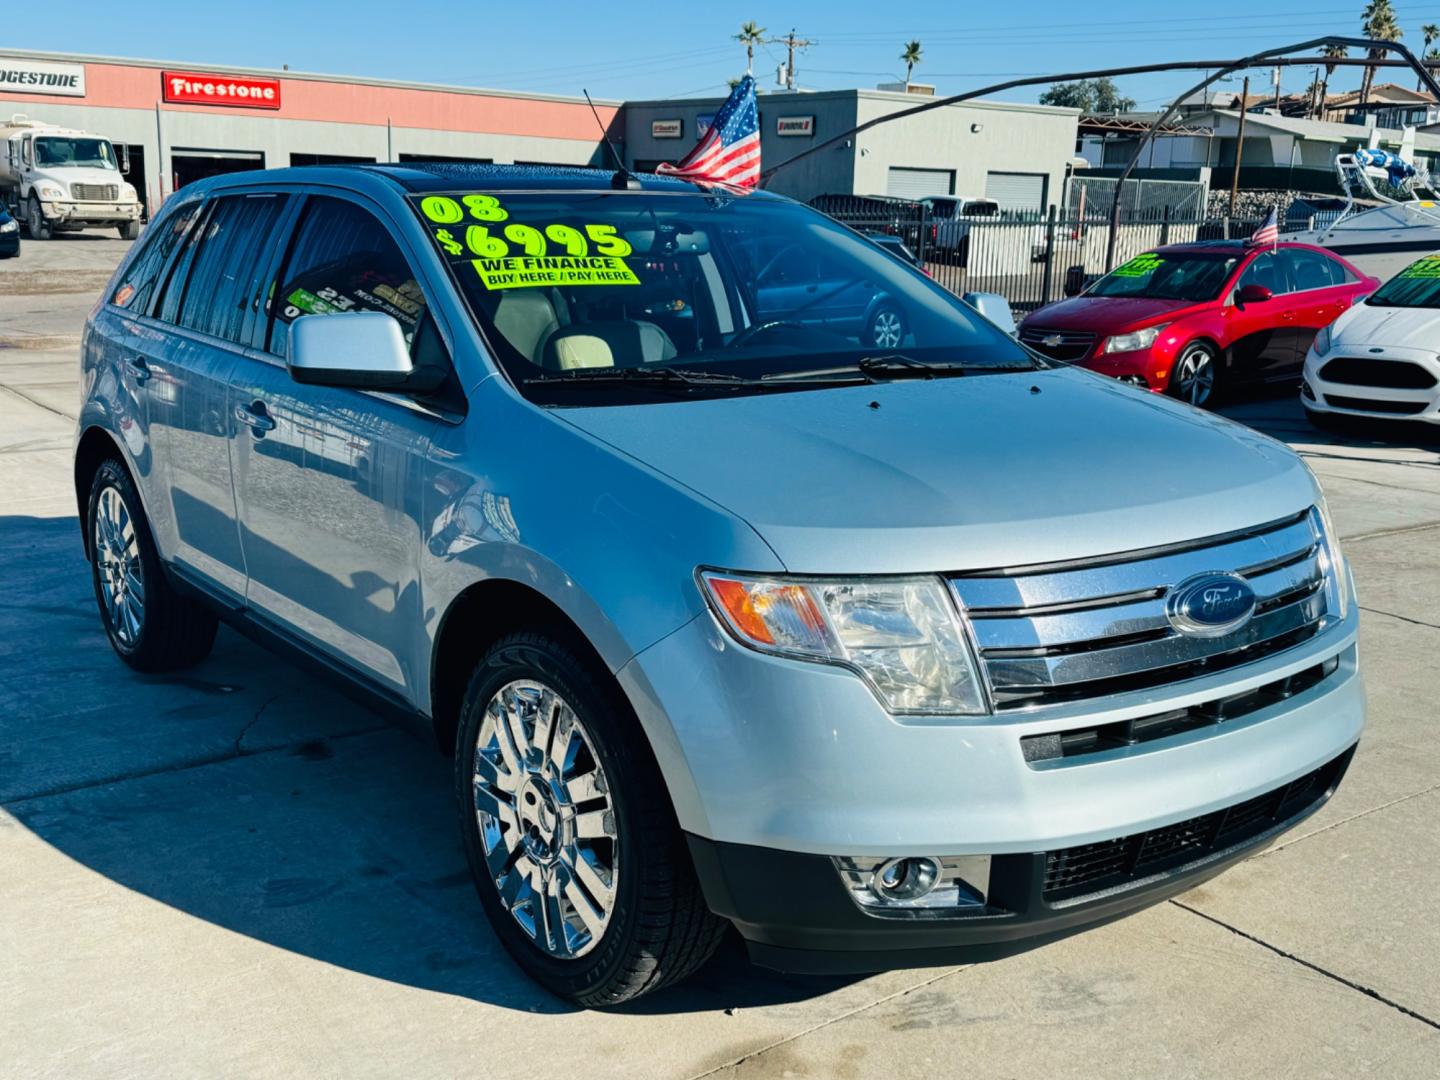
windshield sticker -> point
(1140, 265)
(524, 271)
(1428, 267)
(511, 254)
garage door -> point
(1016, 191)
(917, 183)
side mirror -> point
(364, 349)
(1074, 281)
(994, 307)
(1253, 294)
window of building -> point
(329, 159)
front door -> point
(1262, 333)
(328, 479)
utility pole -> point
(791, 43)
(1239, 151)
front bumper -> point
(796, 916)
(90, 213)
(1373, 401)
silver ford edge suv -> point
(749, 576)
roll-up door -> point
(1016, 191)
(917, 183)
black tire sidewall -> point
(612, 732)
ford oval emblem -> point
(1210, 605)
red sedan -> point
(1189, 319)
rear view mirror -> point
(364, 349)
(1253, 294)
(994, 307)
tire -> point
(1195, 378)
(885, 329)
(151, 627)
(521, 821)
(35, 222)
(129, 231)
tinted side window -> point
(344, 259)
(1266, 271)
(137, 290)
(1312, 270)
(222, 280)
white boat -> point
(1401, 224)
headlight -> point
(1140, 339)
(127, 191)
(9, 226)
(50, 191)
(903, 635)
(1334, 561)
(1322, 341)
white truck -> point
(55, 178)
(951, 216)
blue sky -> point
(664, 50)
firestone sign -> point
(795, 125)
(34, 77)
(232, 91)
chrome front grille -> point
(95, 192)
(1048, 634)
(1064, 345)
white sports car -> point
(1381, 358)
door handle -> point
(137, 369)
(1288, 316)
(255, 417)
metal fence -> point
(1028, 259)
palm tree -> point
(1379, 24)
(1429, 32)
(911, 56)
(1330, 52)
(750, 35)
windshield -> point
(737, 289)
(1168, 275)
(1417, 286)
(93, 153)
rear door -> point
(1323, 289)
(328, 479)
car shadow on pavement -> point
(246, 794)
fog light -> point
(1305, 390)
(906, 879)
(898, 887)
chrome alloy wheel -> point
(1195, 376)
(886, 331)
(546, 819)
(117, 560)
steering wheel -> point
(750, 333)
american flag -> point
(729, 153)
(1268, 232)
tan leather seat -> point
(610, 343)
(527, 318)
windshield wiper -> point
(887, 368)
(679, 378)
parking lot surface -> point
(237, 871)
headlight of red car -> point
(1134, 341)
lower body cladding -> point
(1404, 384)
(838, 838)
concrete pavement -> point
(237, 871)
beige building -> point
(1017, 154)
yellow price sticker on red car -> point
(526, 271)
(1140, 265)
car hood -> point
(1103, 314)
(1388, 327)
(962, 473)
